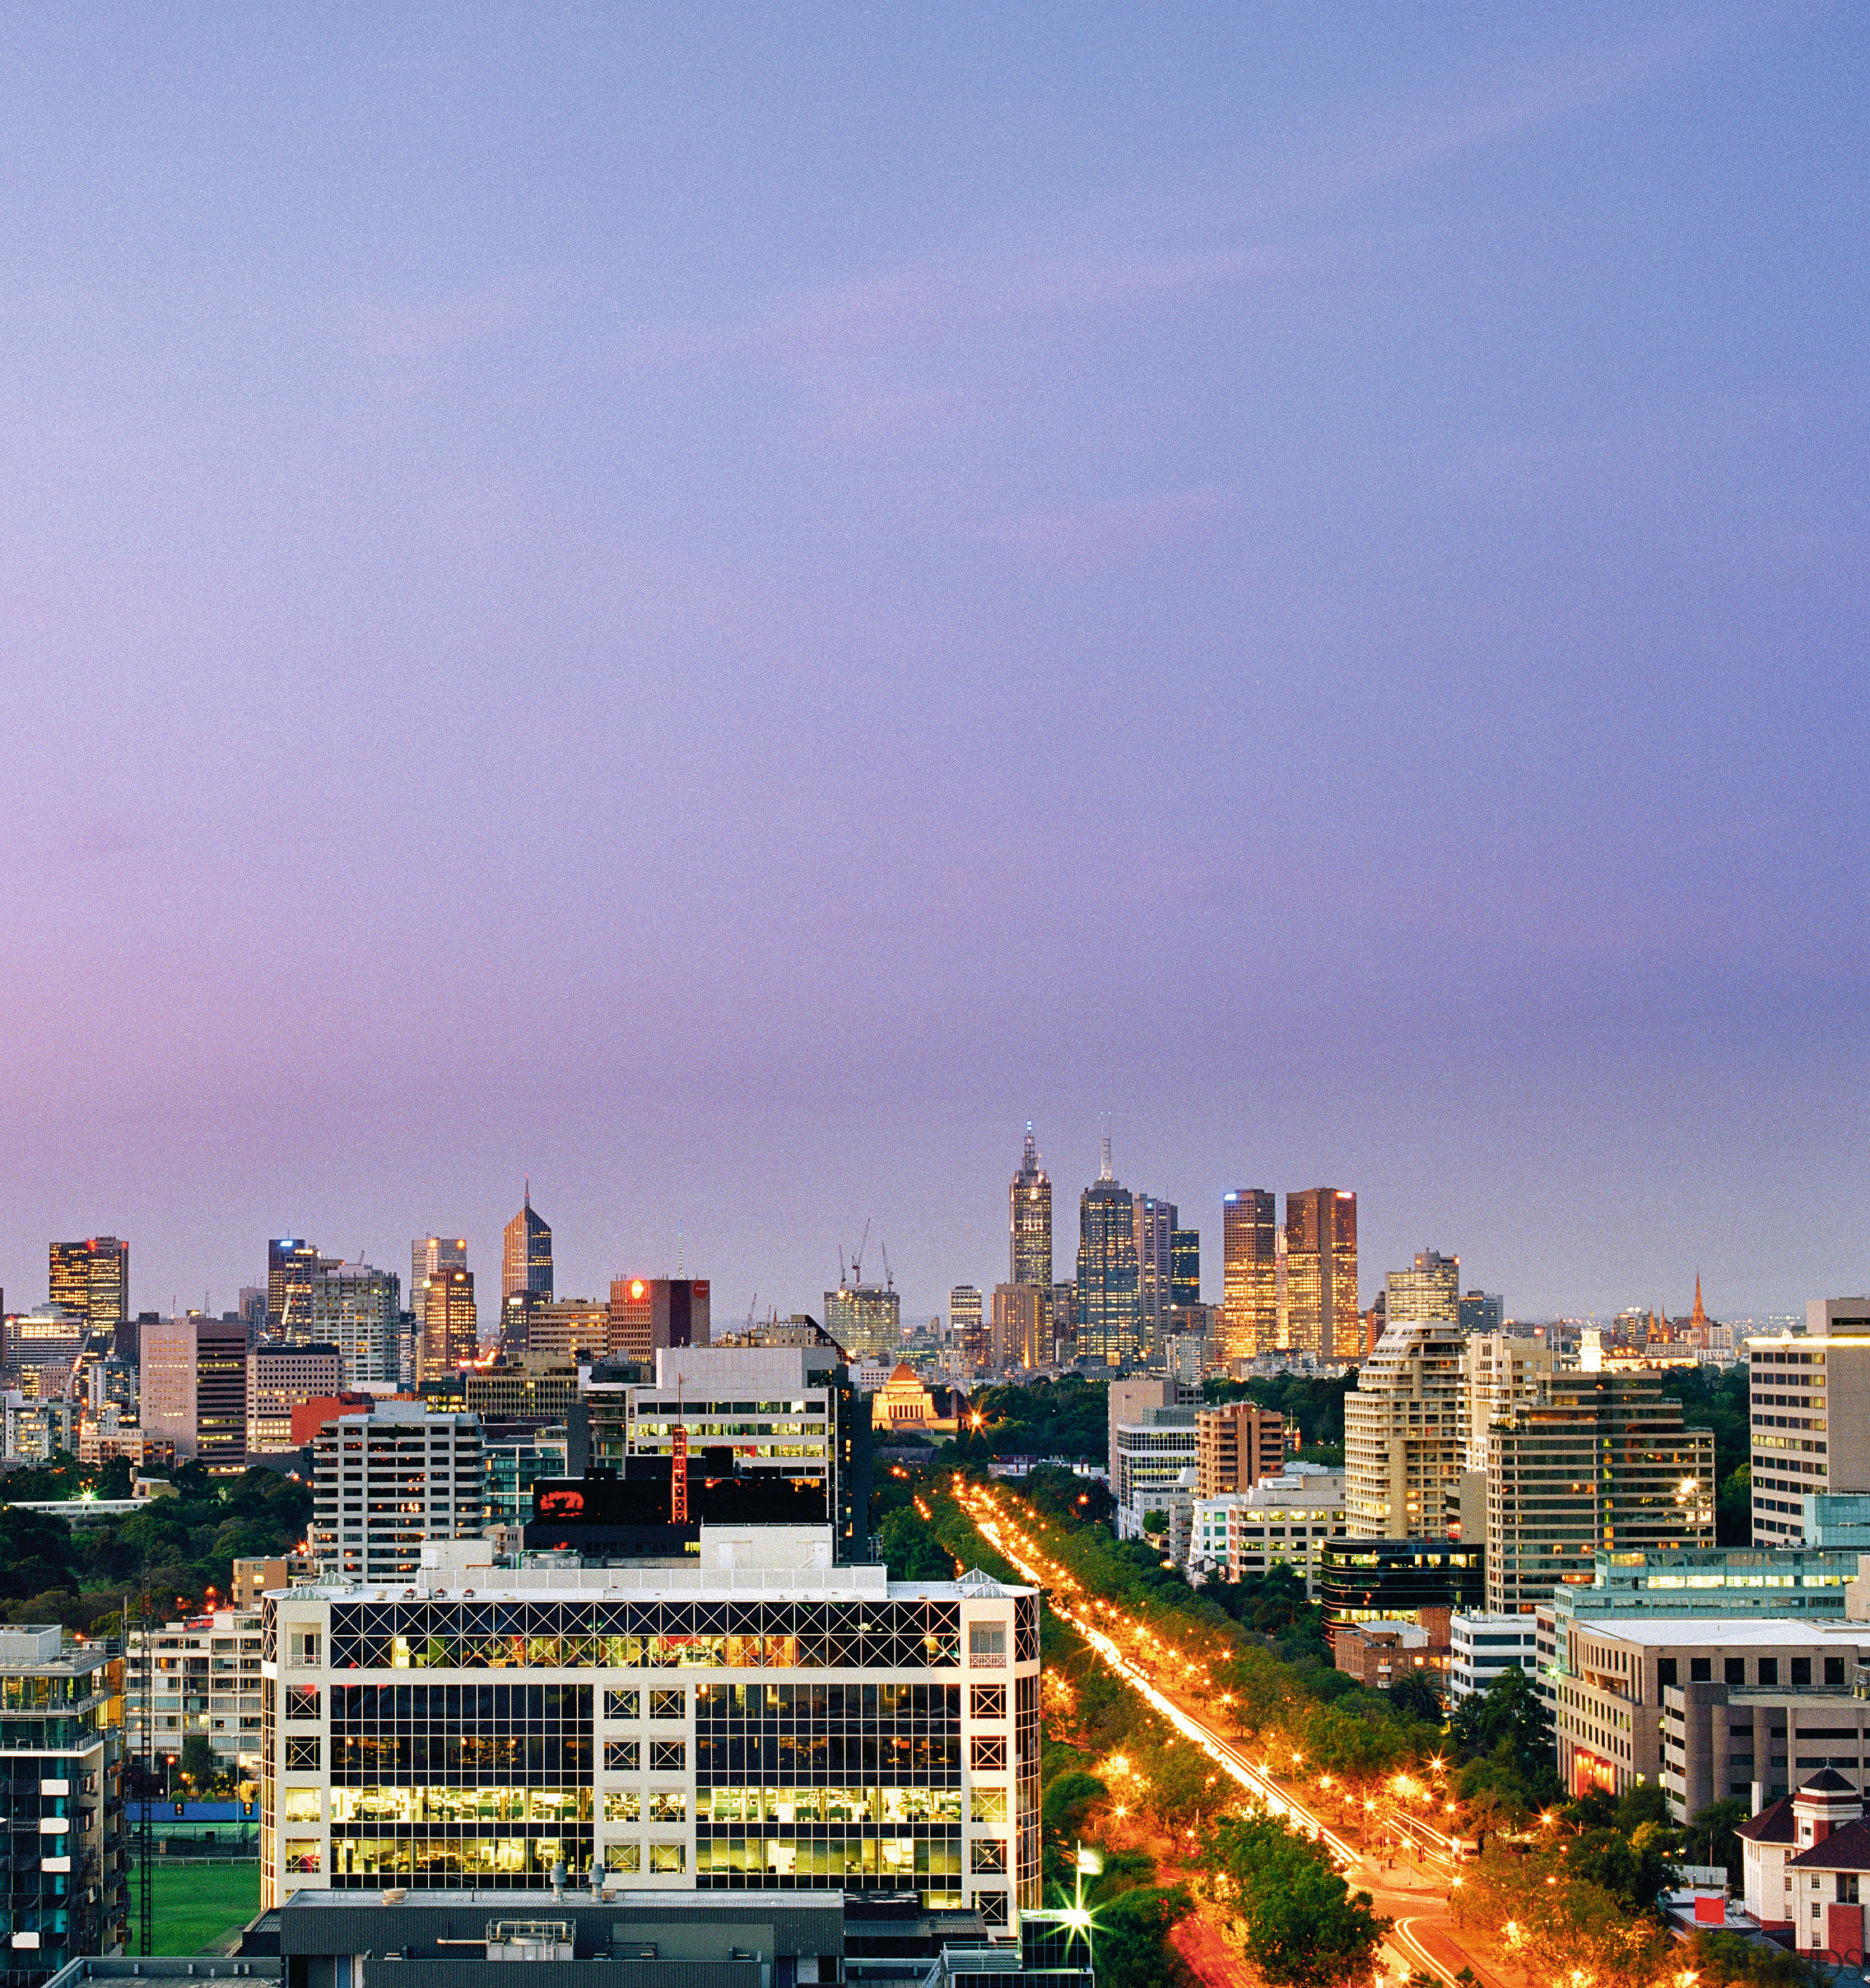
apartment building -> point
(197, 1677)
(280, 1376)
(1155, 1460)
(65, 1890)
(1403, 1434)
(387, 1481)
(1235, 1445)
(763, 1720)
(1810, 1396)
(1501, 1373)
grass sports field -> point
(195, 1903)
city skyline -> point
(1297, 578)
(488, 1255)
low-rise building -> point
(278, 1376)
(1376, 1654)
(1482, 1646)
(1236, 1445)
(1287, 1520)
(1610, 1680)
(1152, 1452)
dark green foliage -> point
(1300, 1924)
(37, 1552)
(1063, 1495)
(1065, 1417)
(199, 1766)
(1272, 1603)
(1132, 1949)
(182, 1545)
(1722, 1958)
(1635, 1869)
(1510, 1708)
(912, 1552)
(1714, 1399)
(1645, 1802)
(1710, 1837)
(1412, 1696)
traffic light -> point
(180, 1807)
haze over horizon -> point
(723, 612)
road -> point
(1415, 1898)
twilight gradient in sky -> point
(724, 605)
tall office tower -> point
(193, 1387)
(1249, 1274)
(646, 1312)
(1483, 1311)
(1500, 1375)
(1029, 1222)
(1604, 1466)
(1062, 1321)
(1430, 1289)
(278, 1378)
(450, 1333)
(1184, 1267)
(428, 1254)
(1021, 1335)
(358, 1310)
(221, 1348)
(166, 1381)
(1321, 1308)
(647, 1746)
(526, 1254)
(866, 1319)
(1109, 1314)
(965, 1323)
(1236, 1445)
(92, 1279)
(559, 1327)
(1403, 1429)
(1811, 1418)
(62, 1729)
(292, 1262)
(1154, 1222)
(386, 1481)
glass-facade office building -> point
(764, 1721)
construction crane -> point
(889, 1276)
(856, 1257)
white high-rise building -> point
(358, 1310)
(387, 1481)
(1403, 1434)
(1501, 1374)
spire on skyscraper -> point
(1105, 1172)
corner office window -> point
(621, 1756)
(989, 1700)
(304, 1753)
(668, 1756)
(667, 1704)
(623, 1705)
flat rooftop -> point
(1750, 1632)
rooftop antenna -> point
(1105, 1173)
(679, 1270)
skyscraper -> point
(1108, 1305)
(357, 1309)
(1483, 1311)
(1184, 1267)
(292, 1262)
(525, 1255)
(965, 1323)
(1430, 1290)
(91, 1279)
(1321, 1306)
(450, 1333)
(1029, 1222)
(1250, 1273)
(1155, 1224)
(428, 1254)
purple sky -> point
(723, 606)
